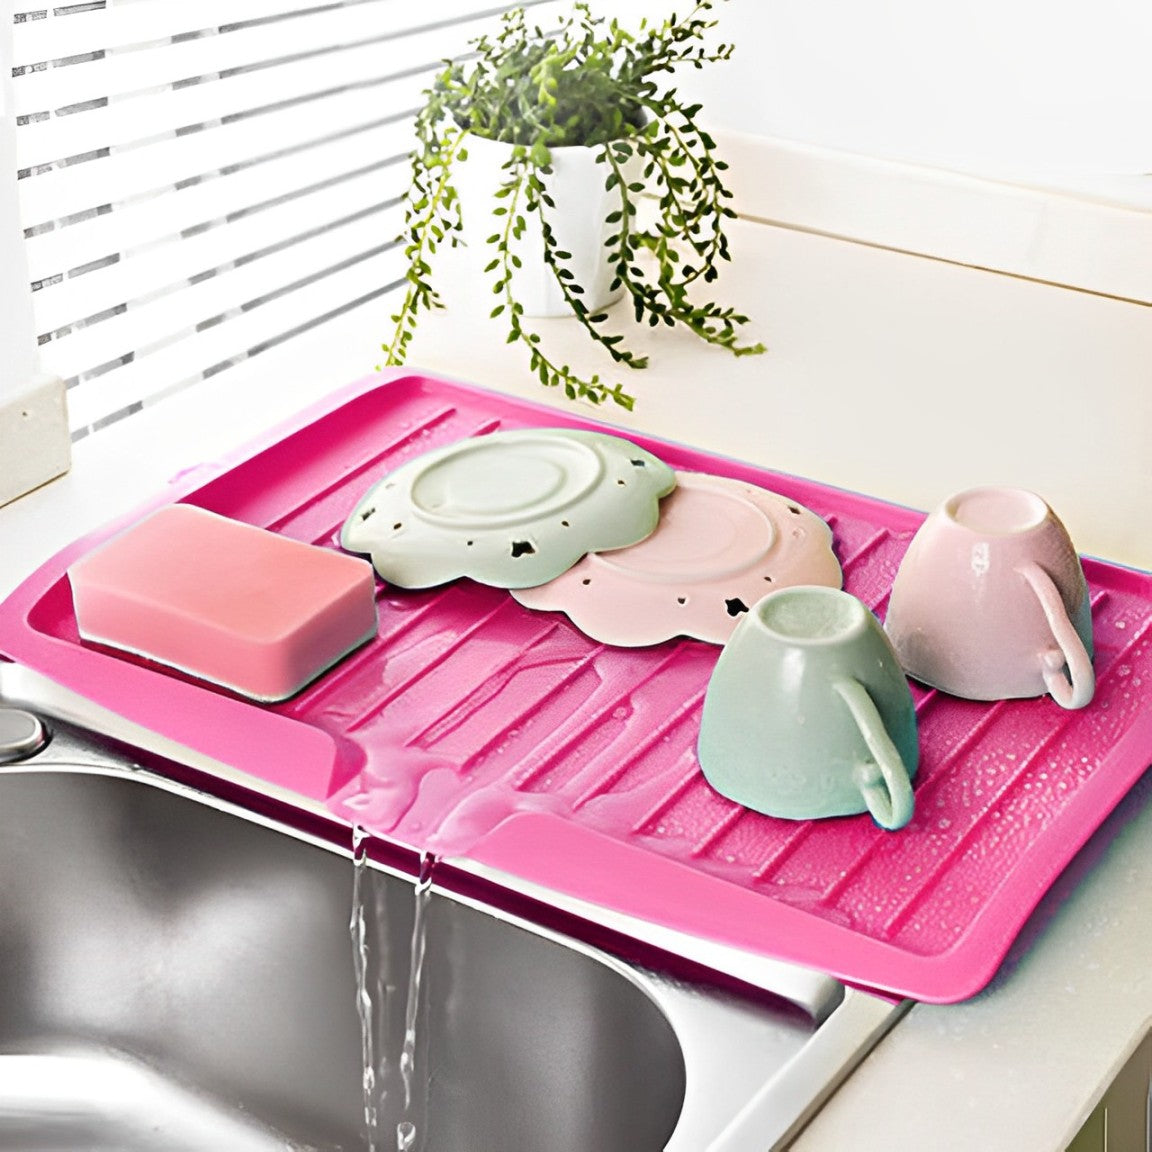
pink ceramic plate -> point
(721, 545)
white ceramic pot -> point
(579, 224)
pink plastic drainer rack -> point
(473, 726)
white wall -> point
(1007, 87)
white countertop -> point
(902, 377)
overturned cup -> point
(990, 602)
(808, 713)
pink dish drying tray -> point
(475, 727)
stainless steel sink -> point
(177, 972)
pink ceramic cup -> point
(990, 602)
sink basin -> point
(151, 937)
(177, 972)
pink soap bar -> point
(225, 601)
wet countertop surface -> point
(1022, 1064)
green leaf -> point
(587, 80)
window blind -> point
(200, 180)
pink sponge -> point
(224, 601)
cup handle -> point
(887, 792)
(1075, 689)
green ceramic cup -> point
(808, 713)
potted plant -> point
(600, 183)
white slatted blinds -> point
(201, 180)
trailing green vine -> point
(591, 82)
